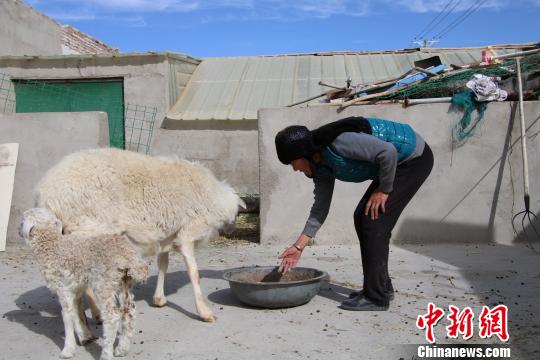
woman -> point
(356, 149)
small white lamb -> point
(108, 265)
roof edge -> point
(399, 51)
(176, 56)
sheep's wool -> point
(152, 198)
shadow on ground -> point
(40, 312)
(496, 274)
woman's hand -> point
(376, 200)
(290, 257)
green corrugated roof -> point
(235, 88)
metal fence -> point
(7, 94)
(139, 127)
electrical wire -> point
(448, 13)
(425, 29)
(460, 19)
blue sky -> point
(261, 27)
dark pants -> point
(375, 235)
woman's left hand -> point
(290, 258)
(376, 200)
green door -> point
(75, 95)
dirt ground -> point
(462, 275)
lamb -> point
(71, 264)
(165, 204)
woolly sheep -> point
(107, 264)
(163, 203)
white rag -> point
(486, 89)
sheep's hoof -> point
(67, 353)
(209, 318)
(88, 340)
(160, 301)
(120, 351)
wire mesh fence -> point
(139, 127)
(130, 125)
(7, 94)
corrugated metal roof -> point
(235, 88)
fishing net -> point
(466, 102)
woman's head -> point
(294, 142)
(294, 146)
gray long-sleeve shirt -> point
(356, 146)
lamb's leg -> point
(187, 248)
(128, 323)
(159, 295)
(69, 313)
(91, 297)
(81, 324)
(111, 320)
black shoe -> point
(361, 303)
(361, 292)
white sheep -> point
(163, 203)
(107, 264)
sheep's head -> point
(38, 218)
(231, 204)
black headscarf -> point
(326, 134)
(297, 141)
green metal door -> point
(75, 95)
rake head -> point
(528, 221)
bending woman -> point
(392, 155)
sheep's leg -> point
(187, 248)
(159, 295)
(69, 313)
(81, 324)
(111, 320)
(128, 323)
(91, 297)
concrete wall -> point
(25, 31)
(44, 138)
(470, 195)
(231, 154)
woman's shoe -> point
(361, 292)
(361, 303)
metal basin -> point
(264, 286)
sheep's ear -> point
(241, 204)
(26, 228)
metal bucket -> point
(264, 286)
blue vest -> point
(402, 136)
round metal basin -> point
(264, 286)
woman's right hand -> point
(290, 258)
